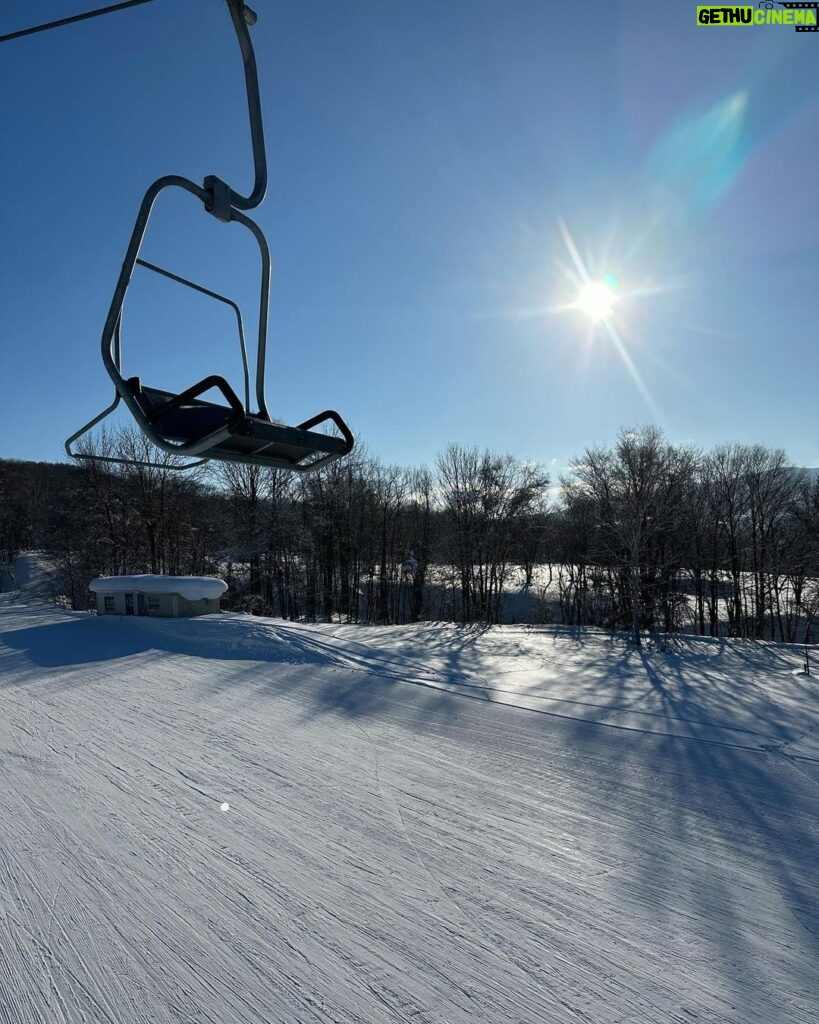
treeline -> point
(662, 536)
(642, 535)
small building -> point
(166, 596)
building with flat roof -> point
(166, 596)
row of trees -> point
(643, 535)
(666, 536)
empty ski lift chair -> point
(184, 423)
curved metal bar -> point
(118, 342)
(90, 426)
(110, 354)
(264, 304)
(331, 414)
(242, 16)
(213, 295)
(80, 455)
(109, 342)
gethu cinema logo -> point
(803, 16)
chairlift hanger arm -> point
(242, 17)
(185, 424)
(221, 197)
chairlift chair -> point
(184, 423)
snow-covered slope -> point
(30, 577)
(425, 824)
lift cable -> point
(70, 21)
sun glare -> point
(597, 296)
(596, 299)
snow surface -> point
(192, 588)
(30, 578)
(426, 824)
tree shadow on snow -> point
(716, 765)
(729, 838)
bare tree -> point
(486, 498)
(637, 489)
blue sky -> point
(423, 157)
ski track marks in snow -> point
(643, 851)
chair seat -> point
(253, 438)
(194, 419)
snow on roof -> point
(192, 588)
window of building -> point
(109, 604)
(153, 604)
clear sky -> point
(432, 164)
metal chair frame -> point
(224, 203)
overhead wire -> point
(70, 21)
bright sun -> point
(596, 299)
